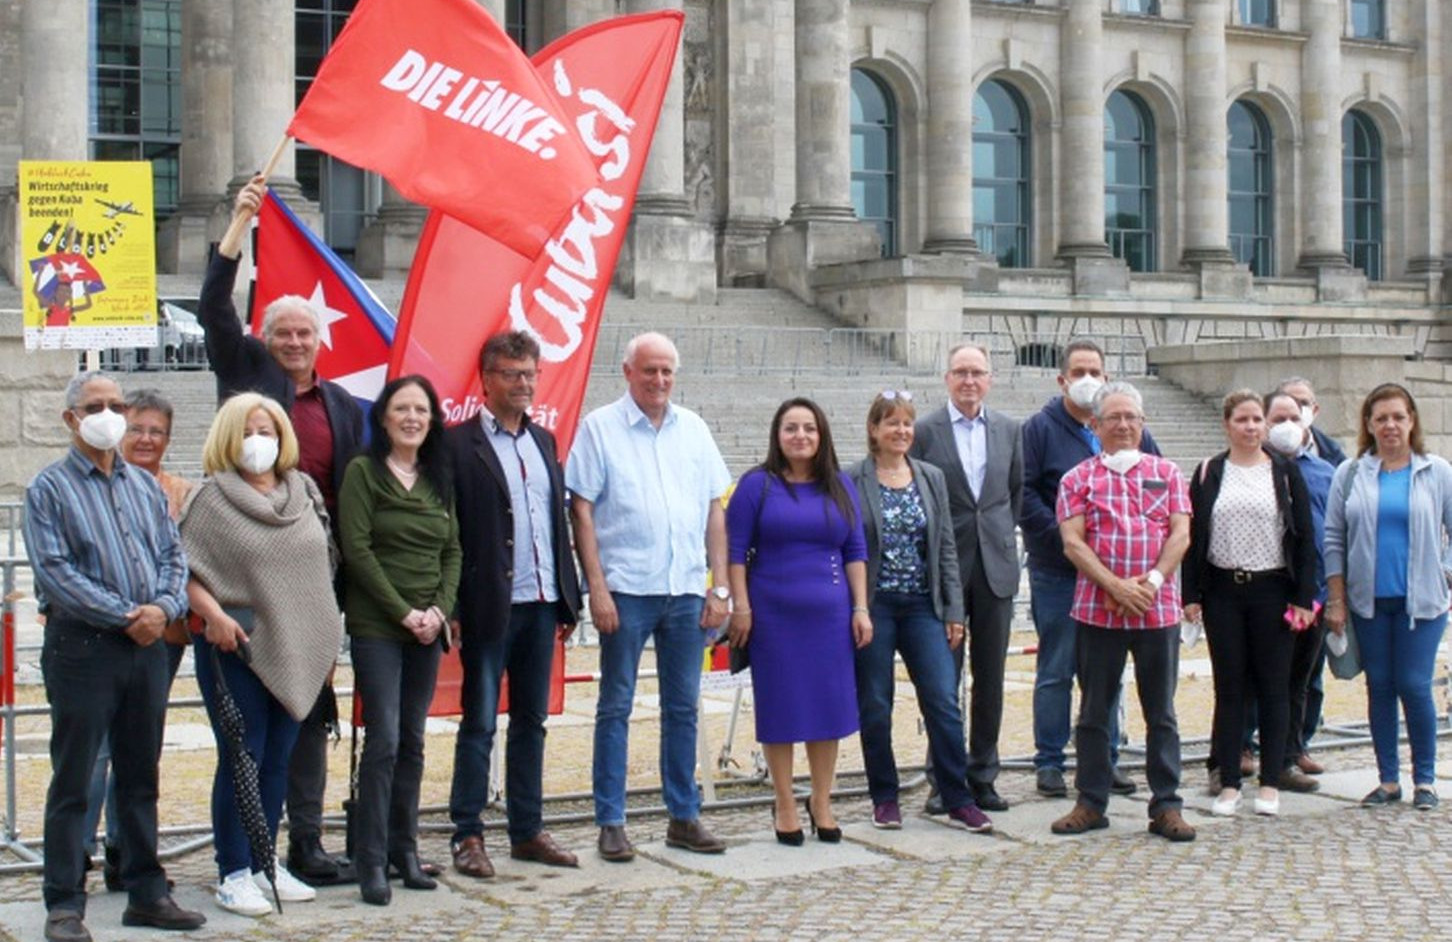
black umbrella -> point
(244, 773)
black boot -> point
(111, 869)
(308, 861)
(414, 876)
(373, 884)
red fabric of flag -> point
(465, 285)
(437, 98)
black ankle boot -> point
(111, 869)
(308, 861)
(414, 876)
(373, 884)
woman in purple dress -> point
(799, 598)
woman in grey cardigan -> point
(916, 604)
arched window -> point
(1129, 180)
(874, 156)
(1361, 176)
(1251, 187)
(1368, 19)
(1001, 198)
(1257, 12)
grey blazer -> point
(944, 584)
(984, 527)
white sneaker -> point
(239, 894)
(1227, 804)
(289, 888)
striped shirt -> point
(102, 545)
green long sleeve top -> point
(400, 550)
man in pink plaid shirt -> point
(1125, 520)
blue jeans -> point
(1399, 658)
(1052, 598)
(526, 650)
(269, 737)
(906, 623)
(675, 623)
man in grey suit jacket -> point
(981, 454)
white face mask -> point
(1286, 437)
(1123, 460)
(1082, 390)
(1308, 416)
(104, 430)
(259, 453)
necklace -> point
(400, 470)
(894, 474)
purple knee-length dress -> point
(802, 668)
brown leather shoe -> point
(65, 925)
(692, 836)
(1172, 826)
(1081, 819)
(1294, 780)
(542, 849)
(470, 858)
(1309, 765)
(614, 846)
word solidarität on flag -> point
(464, 286)
(438, 99)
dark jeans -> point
(1050, 601)
(307, 771)
(1250, 648)
(99, 684)
(526, 650)
(103, 782)
(1102, 653)
(1308, 654)
(269, 736)
(906, 623)
(396, 681)
(986, 642)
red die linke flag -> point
(466, 286)
(356, 328)
(437, 98)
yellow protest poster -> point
(87, 231)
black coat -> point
(486, 532)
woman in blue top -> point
(1387, 561)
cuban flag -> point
(357, 330)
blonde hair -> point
(223, 449)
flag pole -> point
(233, 236)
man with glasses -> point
(110, 575)
(647, 480)
(1125, 520)
(1323, 446)
(981, 454)
(521, 593)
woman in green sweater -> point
(400, 545)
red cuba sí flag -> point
(466, 286)
(437, 98)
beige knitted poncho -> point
(270, 553)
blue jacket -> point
(1351, 534)
(1317, 473)
(1052, 444)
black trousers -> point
(307, 771)
(99, 682)
(1308, 654)
(1250, 650)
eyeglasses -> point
(514, 376)
(96, 408)
(147, 431)
(897, 394)
(1125, 418)
(976, 375)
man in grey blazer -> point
(981, 454)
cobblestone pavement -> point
(1326, 869)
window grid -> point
(1129, 181)
(1368, 19)
(340, 189)
(1251, 189)
(1361, 193)
(874, 157)
(1257, 12)
(1002, 197)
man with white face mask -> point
(110, 574)
(1321, 445)
(1056, 439)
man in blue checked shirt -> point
(110, 574)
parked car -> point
(179, 335)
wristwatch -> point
(721, 594)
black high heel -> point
(789, 838)
(373, 884)
(825, 835)
(414, 875)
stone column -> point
(1427, 159)
(387, 244)
(668, 253)
(823, 229)
(1081, 168)
(495, 8)
(562, 16)
(54, 118)
(1207, 211)
(263, 98)
(950, 129)
(207, 147)
(1321, 233)
(745, 129)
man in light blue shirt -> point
(647, 480)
